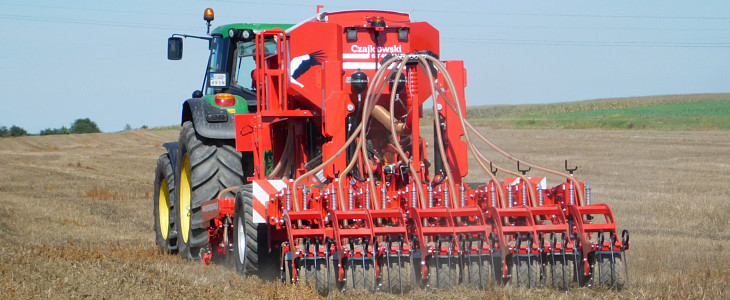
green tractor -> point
(204, 161)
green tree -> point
(50, 131)
(17, 131)
(84, 126)
(4, 132)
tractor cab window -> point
(218, 57)
(245, 64)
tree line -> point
(85, 125)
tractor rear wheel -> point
(249, 239)
(164, 205)
(204, 168)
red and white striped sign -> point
(262, 192)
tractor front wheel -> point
(164, 206)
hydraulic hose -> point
(481, 159)
(546, 170)
(285, 156)
(319, 168)
(439, 136)
(336, 154)
(492, 145)
(473, 149)
(370, 102)
(462, 121)
(399, 149)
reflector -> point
(225, 100)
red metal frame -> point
(322, 98)
(217, 218)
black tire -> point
(204, 168)
(527, 273)
(397, 276)
(477, 272)
(562, 272)
(611, 272)
(164, 205)
(319, 275)
(361, 277)
(443, 273)
(250, 246)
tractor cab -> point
(232, 60)
(231, 63)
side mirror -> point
(174, 48)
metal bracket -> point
(570, 170)
(524, 171)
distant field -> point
(673, 112)
(678, 116)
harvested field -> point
(76, 216)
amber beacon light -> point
(208, 16)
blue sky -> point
(106, 60)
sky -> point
(106, 60)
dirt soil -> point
(76, 216)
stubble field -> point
(76, 216)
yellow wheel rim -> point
(185, 198)
(163, 201)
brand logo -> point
(301, 64)
(354, 60)
(372, 48)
